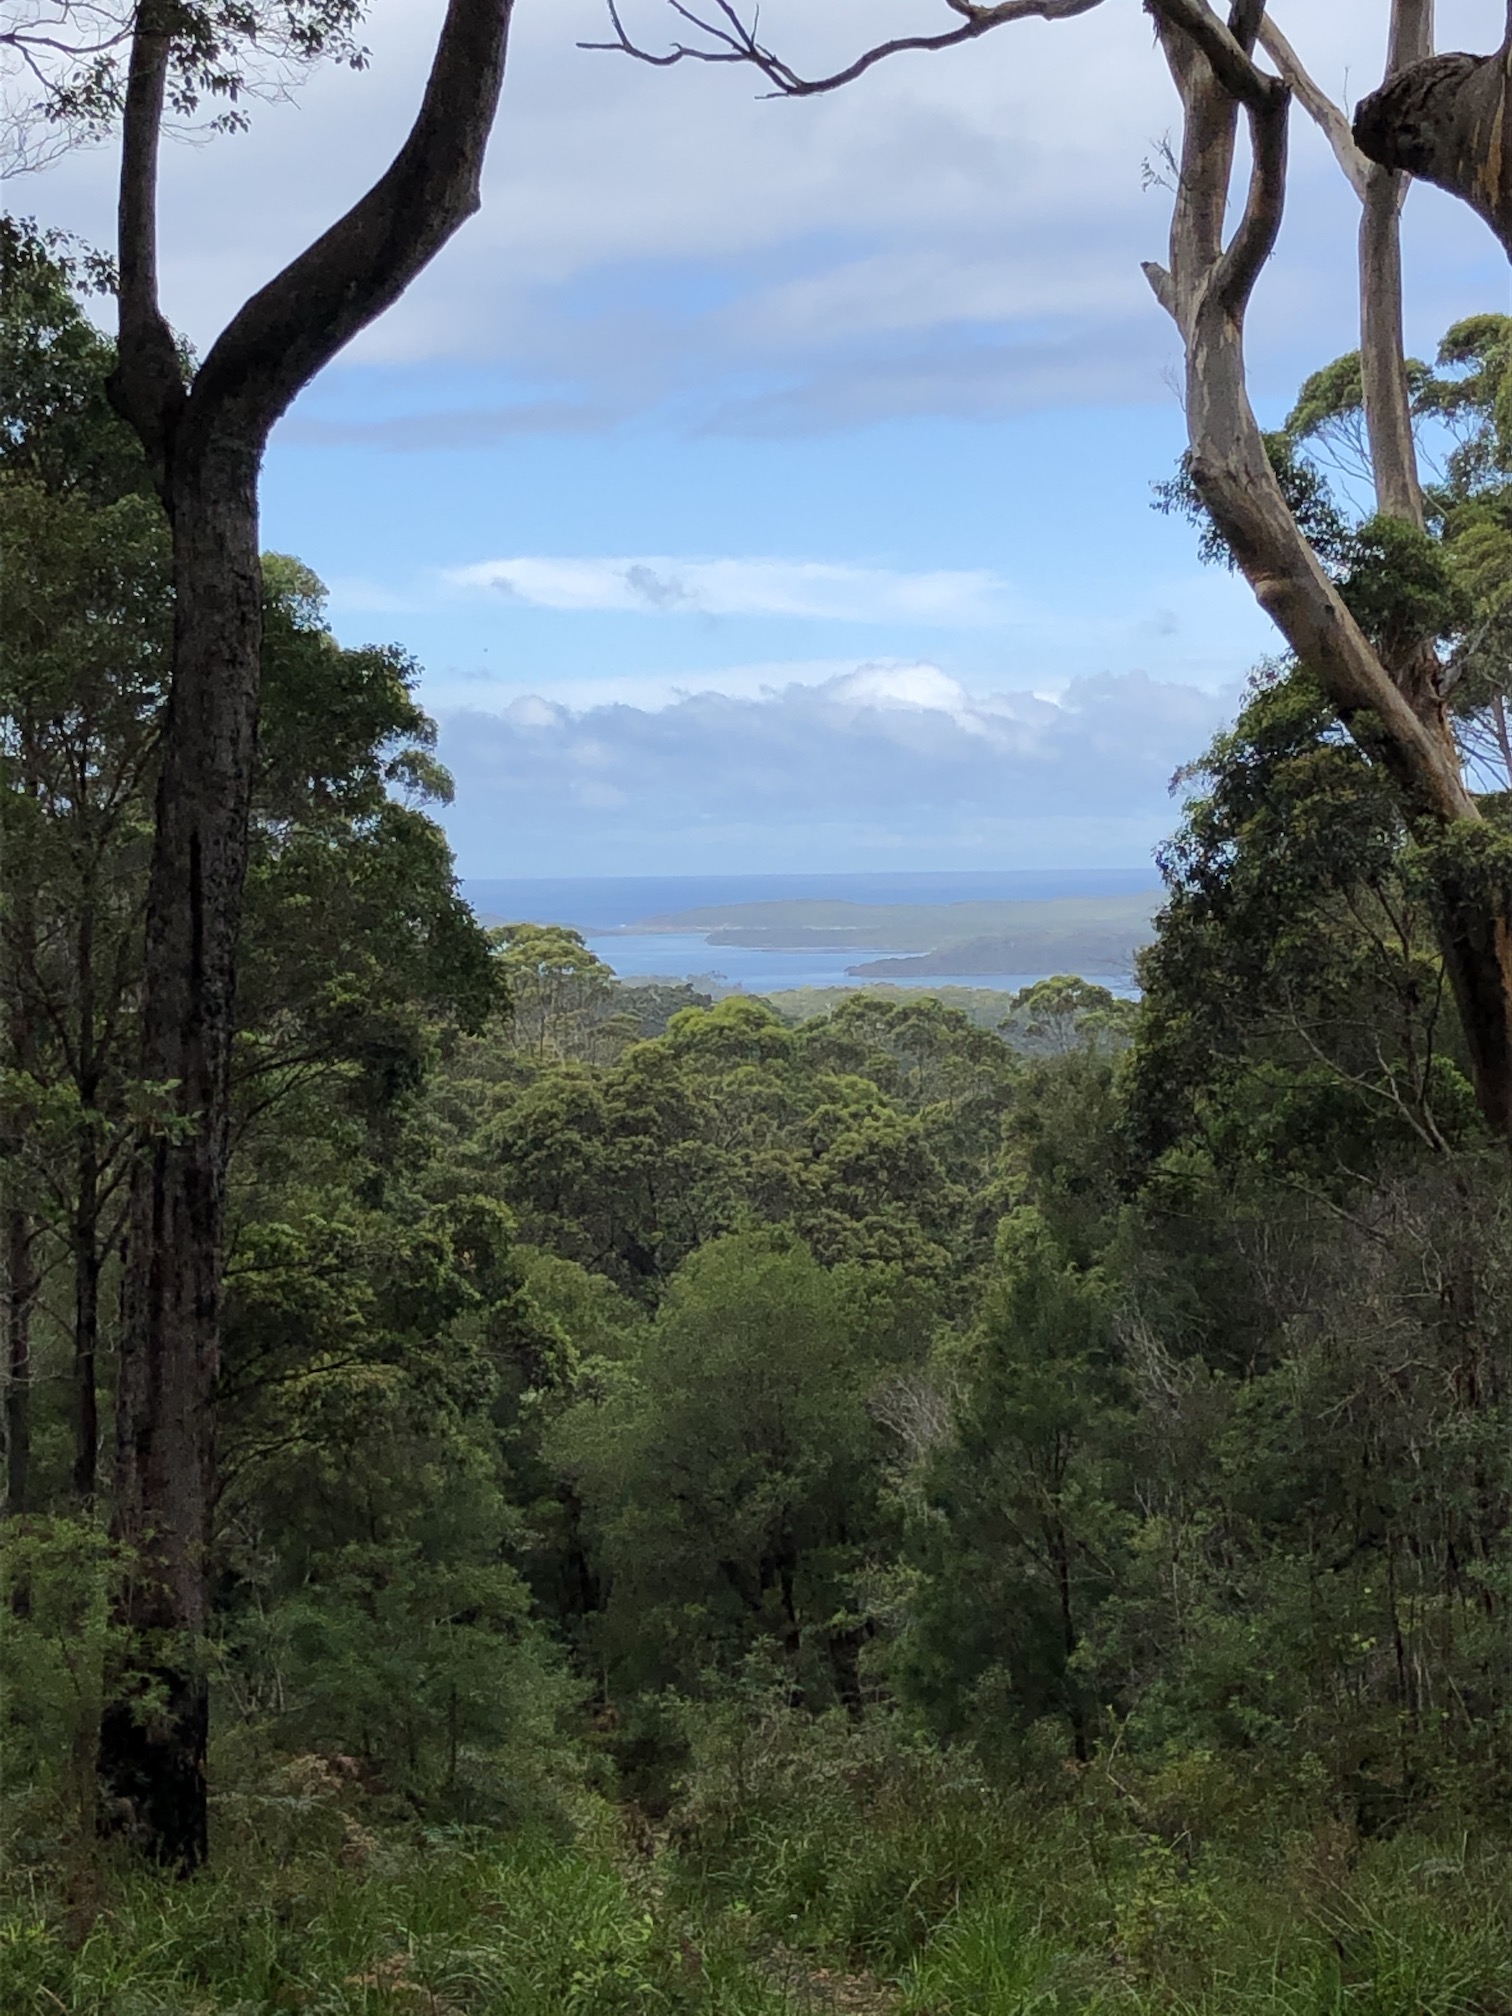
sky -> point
(765, 486)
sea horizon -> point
(595, 904)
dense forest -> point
(722, 1511)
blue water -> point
(686, 955)
(609, 902)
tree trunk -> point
(20, 1293)
(1400, 720)
(86, 1258)
(204, 443)
(1449, 121)
(155, 1766)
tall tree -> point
(203, 433)
(1387, 684)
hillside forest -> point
(727, 1507)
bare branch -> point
(1331, 119)
(730, 39)
(292, 328)
(1226, 50)
(1255, 239)
(1448, 120)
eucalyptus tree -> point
(203, 430)
(1445, 116)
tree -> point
(558, 989)
(84, 620)
(731, 1468)
(1018, 1538)
(1388, 687)
(1446, 119)
(203, 432)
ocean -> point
(605, 906)
(611, 902)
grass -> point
(433, 1926)
(973, 1901)
(810, 1867)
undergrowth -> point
(806, 1865)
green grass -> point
(801, 1852)
(979, 1901)
(436, 1926)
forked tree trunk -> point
(204, 443)
(1400, 720)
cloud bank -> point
(880, 763)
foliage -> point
(711, 1496)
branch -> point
(1226, 49)
(1448, 120)
(292, 328)
(1260, 226)
(1316, 103)
(147, 387)
(733, 41)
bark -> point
(1206, 289)
(87, 1267)
(1383, 365)
(205, 443)
(20, 1294)
(18, 1289)
(1448, 119)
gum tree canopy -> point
(142, 69)
(1445, 117)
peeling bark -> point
(1448, 119)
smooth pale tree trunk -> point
(204, 442)
(1397, 714)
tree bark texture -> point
(1448, 119)
(205, 443)
(165, 1440)
(20, 1290)
(1206, 289)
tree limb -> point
(1331, 119)
(292, 328)
(1226, 49)
(1448, 120)
(732, 40)
(147, 386)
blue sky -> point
(766, 486)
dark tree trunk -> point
(155, 1768)
(20, 1293)
(86, 1211)
(1448, 120)
(87, 1264)
(204, 443)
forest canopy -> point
(708, 1502)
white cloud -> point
(658, 584)
(879, 757)
(650, 236)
